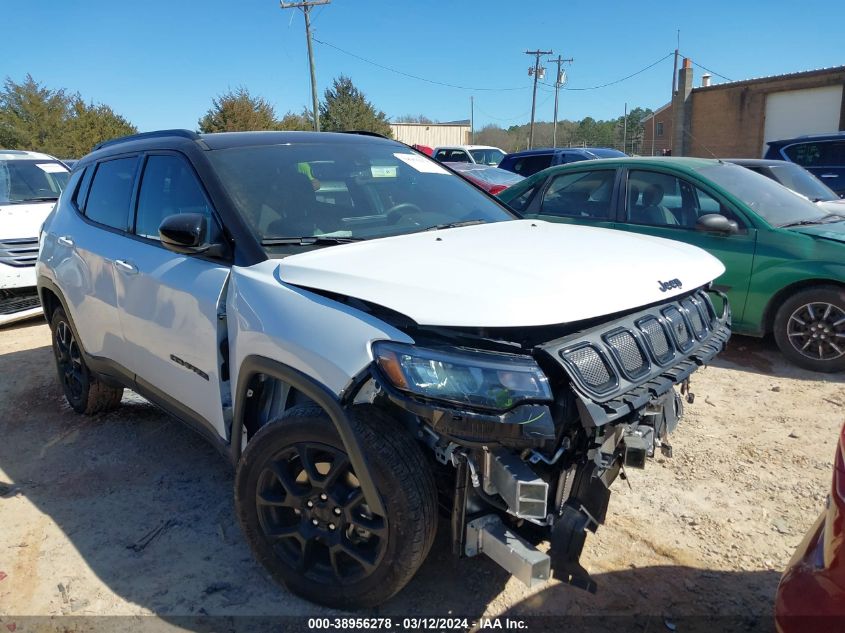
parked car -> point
(784, 257)
(425, 149)
(529, 162)
(811, 593)
(492, 179)
(821, 154)
(346, 355)
(796, 178)
(30, 184)
(480, 154)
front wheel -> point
(84, 392)
(305, 518)
(809, 328)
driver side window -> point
(658, 199)
(169, 187)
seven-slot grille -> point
(19, 252)
(641, 345)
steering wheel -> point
(396, 212)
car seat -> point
(652, 212)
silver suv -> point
(367, 337)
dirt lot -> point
(129, 513)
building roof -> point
(795, 75)
(656, 112)
(464, 123)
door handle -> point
(830, 175)
(125, 266)
(65, 240)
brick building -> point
(736, 119)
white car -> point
(30, 184)
(365, 357)
(480, 154)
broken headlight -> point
(476, 379)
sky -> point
(159, 63)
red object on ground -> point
(425, 149)
(811, 593)
(12, 627)
(3, 575)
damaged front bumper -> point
(552, 464)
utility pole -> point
(625, 129)
(306, 6)
(472, 120)
(560, 79)
(535, 72)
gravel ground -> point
(129, 513)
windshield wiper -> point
(453, 225)
(36, 199)
(829, 218)
(308, 240)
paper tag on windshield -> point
(51, 168)
(421, 164)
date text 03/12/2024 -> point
(415, 624)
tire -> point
(83, 391)
(809, 328)
(311, 560)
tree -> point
(34, 117)
(238, 111)
(413, 118)
(303, 121)
(346, 108)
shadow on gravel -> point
(761, 356)
(148, 507)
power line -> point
(712, 72)
(417, 77)
(535, 72)
(619, 81)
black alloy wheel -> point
(311, 508)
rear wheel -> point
(809, 328)
(84, 392)
(304, 515)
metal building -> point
(432, 134)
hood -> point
(506, 274)
(832, 230)
(21, 221)
(833, 206)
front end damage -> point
(541, 469)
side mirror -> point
(716, 223)
(184, 232)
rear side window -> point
(168, 187)
(111, 191)
(580, 194)
(820, 154)
(532, 164)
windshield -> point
(346, 191)
(31, 180)
(773, 202)
(487, 156)
(799, 179)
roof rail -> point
(143, 135)
(366, 133)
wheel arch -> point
(308, 388)
(782, 295)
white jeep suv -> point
(369, 350)
(30, 184)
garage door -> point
(797, 112)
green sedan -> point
(784, 256)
